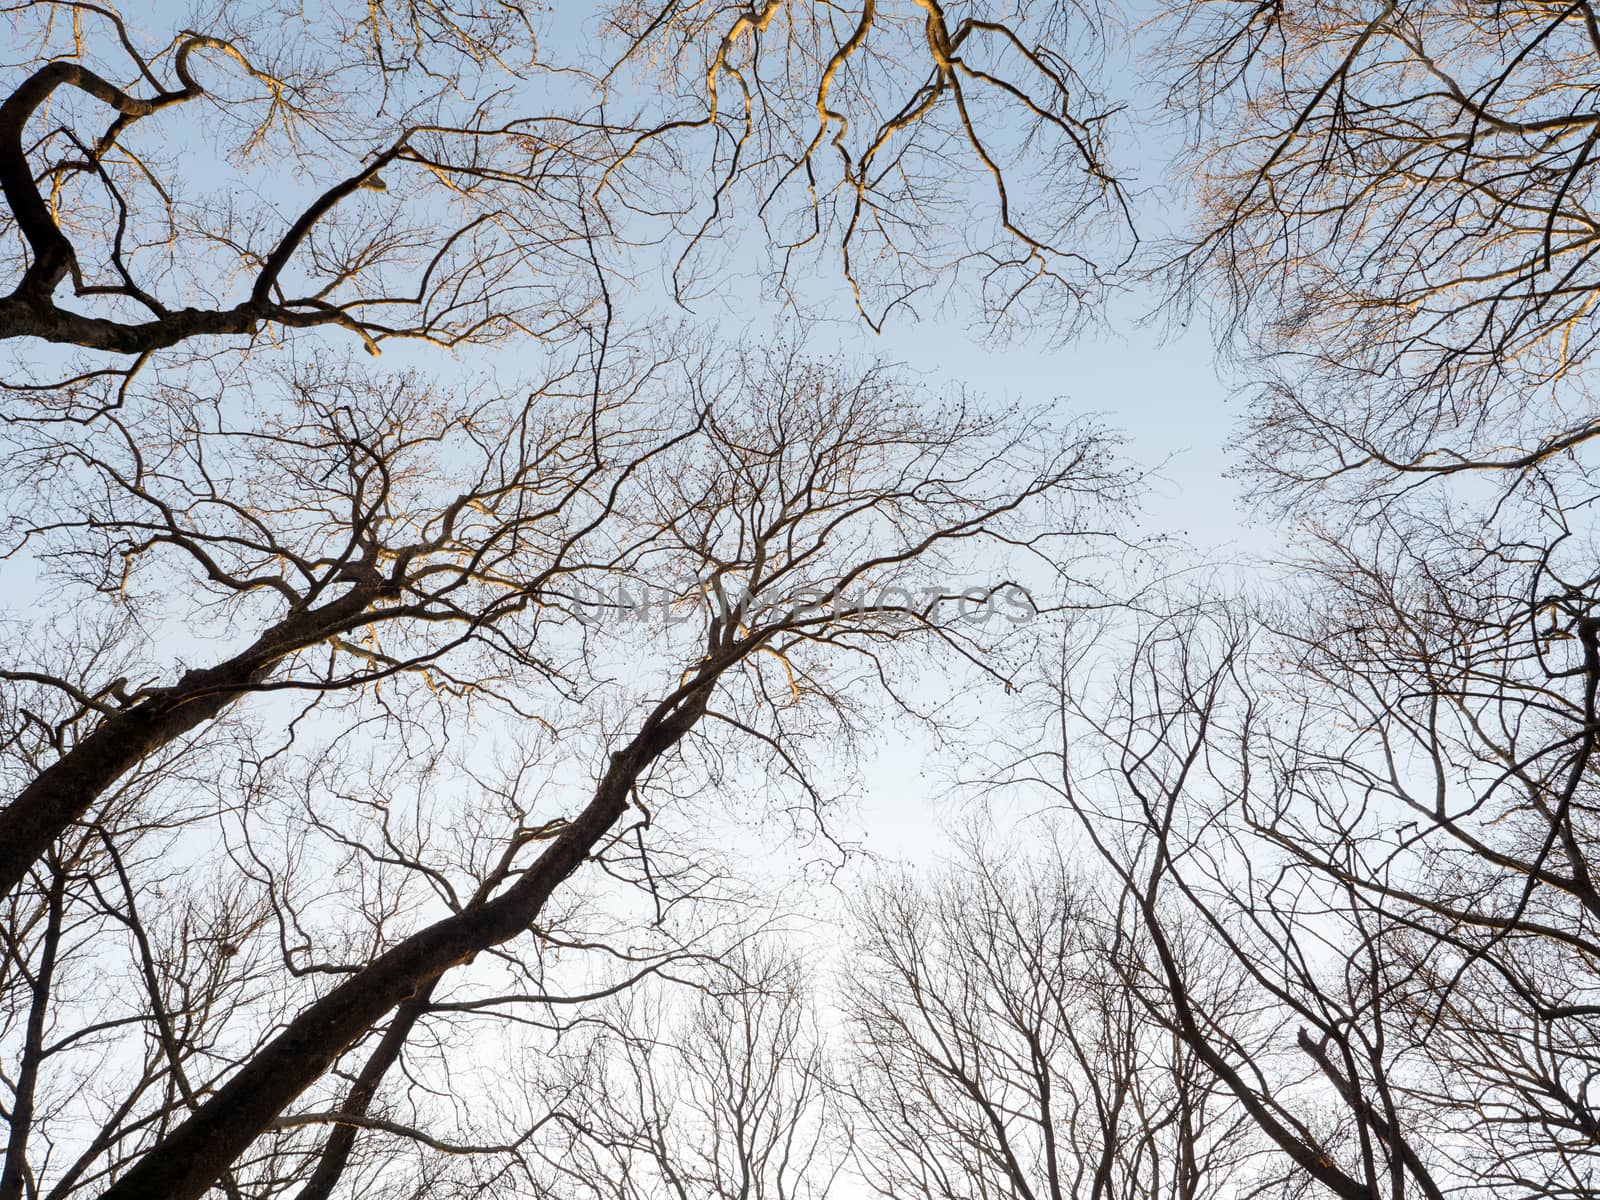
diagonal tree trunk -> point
(64, 791)
(197, 1152)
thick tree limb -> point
(194, 1156)
(66, 789)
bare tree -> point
(341, 530)
(1467, 688)
(796, 528)
(876, 133)
(447, 173)
(1380, 811)
(1159, 763)
(722, 1094)
(417, 212)
(1004, 1048)
(1396, 210)
(1372, 802)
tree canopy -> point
(460, 574)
